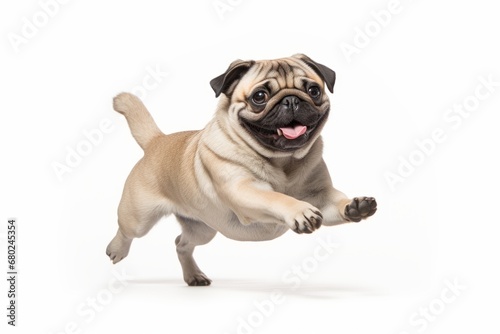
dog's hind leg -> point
(194, 233)
(138, 212)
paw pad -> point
(360, 208)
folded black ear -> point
(224, 82)
(327, 74)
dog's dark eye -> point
(314, 92)
(260, 97)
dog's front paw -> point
(360, 208)
(306, 219)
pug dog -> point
(254, 172)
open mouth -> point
(286, 137)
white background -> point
(437, 226)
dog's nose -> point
(291, 102)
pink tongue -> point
(292, 133)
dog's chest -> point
(289, 180)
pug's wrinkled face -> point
(281, 104)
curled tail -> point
(142, 125)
